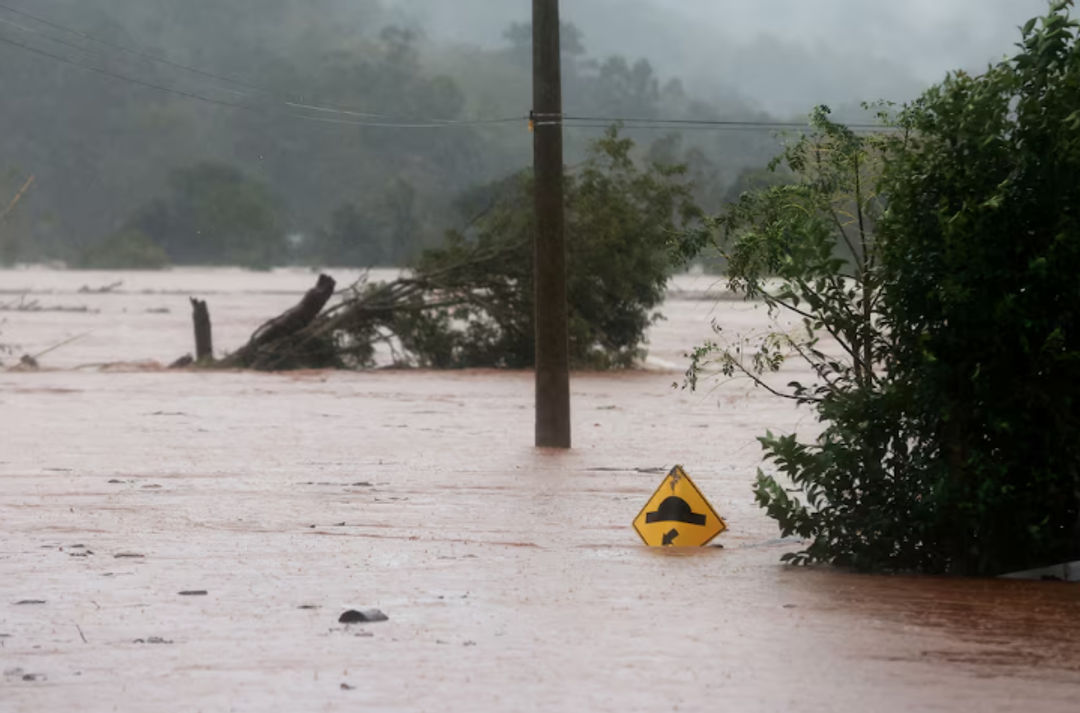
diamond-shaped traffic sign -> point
(678, 515)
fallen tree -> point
(469, 302)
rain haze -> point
(337, 375)
(785, 55)
(197, 86)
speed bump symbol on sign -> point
(678, 515)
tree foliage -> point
(379, 232)
(304, 97)
(983, 301)
(807, 246)
(214, 214)
(939, 264)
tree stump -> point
(204, 343)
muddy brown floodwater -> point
(187, 541)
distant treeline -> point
(312, 131)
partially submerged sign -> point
(678, 515)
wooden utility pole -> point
(552, 351)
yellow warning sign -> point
(678, 515)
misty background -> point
(784, 55)
(316, 130)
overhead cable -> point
(127, 50)
(404, 122)
(573, 121)
(251, 108)
(356, 117)
(114, 75)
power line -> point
(429, 125)
(246, 107)
(403, 122)
(751, 128)
(659, 120)
(114, 75)
(71, 45)
(128, 50)
(572, 121)
(387, 120)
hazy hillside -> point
(325, 119)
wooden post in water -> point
(204, 342)
(552, 351)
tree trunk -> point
(285, 325)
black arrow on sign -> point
(669, 537)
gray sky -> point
(785, 54)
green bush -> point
(955, 452)
(983, 300)
(808, 248)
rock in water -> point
(352, 616)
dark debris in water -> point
(353, 616)
(20, 673)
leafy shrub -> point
(809, 250)
(951, 414)
(983, 301)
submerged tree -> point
(469, 303)
(620, 220)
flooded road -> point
(511, 577)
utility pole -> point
(549, 271)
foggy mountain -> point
(145, 121)
(784, 55)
